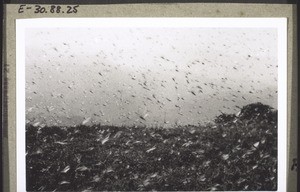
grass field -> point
(235, 152)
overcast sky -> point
(151, 76)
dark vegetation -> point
(236, 152)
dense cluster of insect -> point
(141, 109)
(130, 82)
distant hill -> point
(254, 112)
(251, 112)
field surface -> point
(235, 152)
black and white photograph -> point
(151, 104)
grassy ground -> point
(234, 153)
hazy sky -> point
(150, 76)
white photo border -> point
(278, 23)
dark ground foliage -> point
(236, 152)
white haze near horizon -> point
(147, 76)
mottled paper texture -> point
(151, 10)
